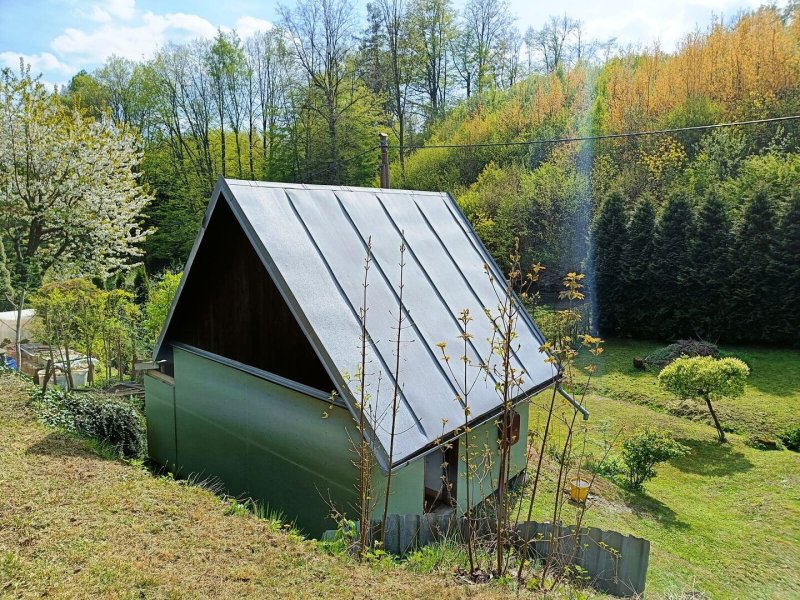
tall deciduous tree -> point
(227, 68)
(321, 32)
(270, 63)
(71, 198)
(401, 64)
(431, 30)
(488, 21)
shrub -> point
(791, 438)
(663, 356)
(111, 421)
(644, 450)
(609, 468)
(706, 378)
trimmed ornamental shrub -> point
(112, 421)
(664, 356)
(706, 378)
(644, 450)
(791, 438)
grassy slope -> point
(771, 401)
(724, 519)
(75, 525)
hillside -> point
(76, 525)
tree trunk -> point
(18, 332)
(68, 366)
(720, 433)
(332, 139)
(222, 139)
(250, 146)
(236, 133)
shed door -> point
(441, 477)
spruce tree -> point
(713, 268)
(141, 286)
(637, 301)
(788, 275)
(672, 270)
(753, 283)
(608, 244)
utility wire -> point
(608, 136)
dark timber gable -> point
(231, 307)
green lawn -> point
(723, 520)
(770, 403)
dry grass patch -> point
(76, 525)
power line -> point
(608, 136)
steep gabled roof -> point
(312, 241)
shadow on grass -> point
(644, 506)
(712, 459)
(57, 444)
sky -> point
(60, 37)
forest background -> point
(687, 233)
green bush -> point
(663, 356)
(706, 378)
(644, 450)
(609, 468)
(111, 421)
(791, 438)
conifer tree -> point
(754, 287)
(713, 267)
(788, 275)
(637, 256)
(608, 244)
(672, 270)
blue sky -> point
(60, 37)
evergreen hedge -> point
(699, 269)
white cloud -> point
(45, 61)
(638, 23)
(247, 26)
(110, 9)
(124, 9)
(132, 41)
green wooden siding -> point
(263, 440)
(160, 409)
(485, 461)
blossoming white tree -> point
(70, 195)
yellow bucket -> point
(578, 490)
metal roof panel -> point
(313, 242)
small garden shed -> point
(252, 388)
